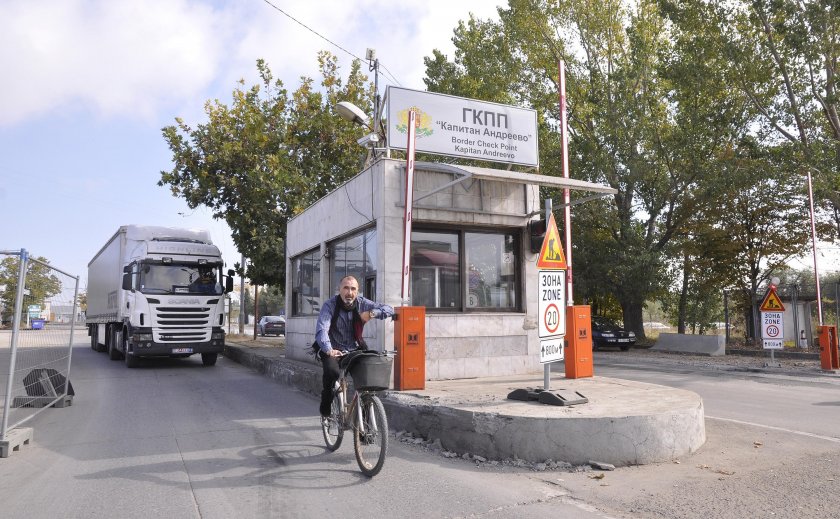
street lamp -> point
(350, 112)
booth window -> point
(355, 256)
(306, 287)
(464, 270)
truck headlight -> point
(142, 337)
(217, 336)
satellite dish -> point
(350, 112)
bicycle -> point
(364, 414)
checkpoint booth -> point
(472, 266)
(472, 262)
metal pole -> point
(242, 299)
(407, 214)
(547, 366)
(814, 246)
(256, 308)
(726, 316)
(72, 331)
(566, 191)
(795, 300)
(837, 304)
(24, 257)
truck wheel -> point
(131, 361)
(93, 345)
(116, 337)
(209, 359)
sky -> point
(88, 85)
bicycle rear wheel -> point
(331, 425)
(370, 438)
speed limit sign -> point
(552, 303)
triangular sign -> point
(551, 253)
(772, 302)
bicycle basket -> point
(371, 372)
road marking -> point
(782, 429)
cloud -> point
(114, 58)
(152, 59)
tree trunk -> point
(683, 297)
(633, 318)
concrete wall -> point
(459, 345)
(713, 345)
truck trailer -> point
(157, 292)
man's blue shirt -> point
(343, 332)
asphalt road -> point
(176, 439)
(772, 447)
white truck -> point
(157, 292)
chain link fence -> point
(39, 309)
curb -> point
(299, 375)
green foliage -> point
(268, 156)
(40, 281)
(272, 301)
(707, 195)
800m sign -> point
(552, 303)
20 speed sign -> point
(552, 303)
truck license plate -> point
(624, 340)
(182, 350)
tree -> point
(266, 157)
(783, 55)
(623, 127)
(272, 300)
(41, 284)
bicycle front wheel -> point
(370, 438)
(331, 425)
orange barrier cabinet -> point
(578, 342)
(829, 357)
(410, 343)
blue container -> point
(37, 324)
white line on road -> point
(782, 429)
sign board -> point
(551, 350)
(552, 303)
(773, 330)
(551, 253)
(461, 127)
(34, 311)
(772, 302)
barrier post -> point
(410, 343)
(829, 356)
(578, 342)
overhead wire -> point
(316, 33)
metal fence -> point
(39, 309)
(742, 313)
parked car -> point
(606, 332)
(271, 325)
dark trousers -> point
(331, 374)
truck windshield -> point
(179, 279)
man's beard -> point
(348, 305)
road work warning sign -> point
(772, 302)
(551, 254)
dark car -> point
(272, 325)
(608, 333)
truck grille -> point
(177, 325)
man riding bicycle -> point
(339, 330)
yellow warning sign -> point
(551, 254)
(772, 302)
